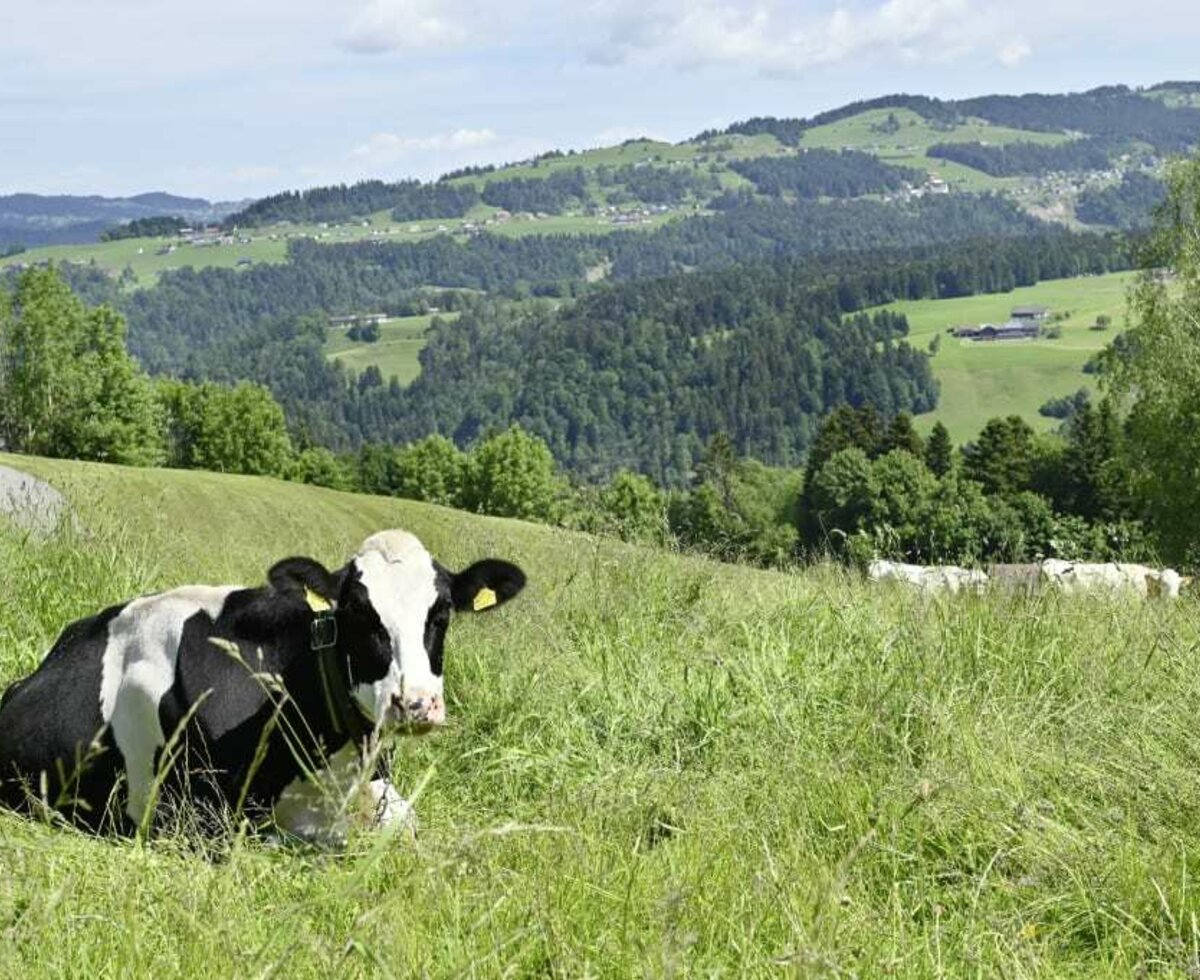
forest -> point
(825, 173)
(655, 185)
(143, 227)
(1112, 112)
(407, 200)
(1022, 158)
(551, 194)
(1129, 204)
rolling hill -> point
(729, 772)
(641, 183)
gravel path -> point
(30, 503)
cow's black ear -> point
(486, 584)
(298, 574)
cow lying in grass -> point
(267, 701)
(928, 579)
(1078, 578)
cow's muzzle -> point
(419, 710)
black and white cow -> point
(265, 698)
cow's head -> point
(395, 603)
(1166, 583)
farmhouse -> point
(358, 320)
(1033, 313)
(1013, 330)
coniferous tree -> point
(901, 435)
(1001, 459)
(939, 450)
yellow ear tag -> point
(485, 598)
(315, 602)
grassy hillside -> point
(142, 255)
(983, 380)
(655, 766)
(905, 145)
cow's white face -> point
(406, 591)
(396, 604)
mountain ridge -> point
(65, 219)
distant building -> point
(358, 320)
(1013, 330)
(1037, 313)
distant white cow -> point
(1077, 578)
(929, 579)
(1164, 583)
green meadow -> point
(639, 152)
(394, 353)
(141, 256)
(907, 146)
(980, 380)
(269, 245)
(654, 766)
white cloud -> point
(1014, 52)
(777, 38)
(384, 148)
(390, 25)
(769, 37)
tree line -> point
(1025, 158)
(1113, 112)
(825, 173)
(158, 227)
(407, 200)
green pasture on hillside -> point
(907, 146)
(1175, 98)
(980, 380)
(639, 152)
(141, 256)
(269, 244)
(394, 353)
(654, 766)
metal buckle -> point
(324, 631)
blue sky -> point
(230, 100)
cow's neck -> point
(341, 709)
(342, 712)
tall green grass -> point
(654, 766)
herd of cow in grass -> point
(1068, 577)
